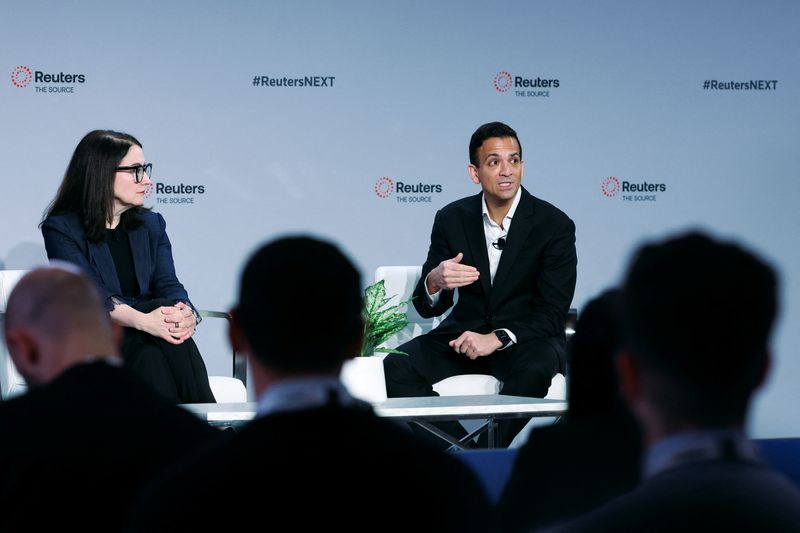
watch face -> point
(503, 337)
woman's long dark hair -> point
(88, 185)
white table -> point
(489, 407)
(421, 411)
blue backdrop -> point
(263, 118)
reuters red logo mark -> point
(384, 187)
(610, 186)
(21, 76)
(503, 81)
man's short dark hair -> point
(700, 312)
(489, 131)
(300, 305)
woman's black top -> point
(120, 246)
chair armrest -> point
(239, 360)
(572, 321)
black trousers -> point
(176, 371)
(526, 369)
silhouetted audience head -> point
(594, 388)
(699, 312)
(299, 306)
(54, 319)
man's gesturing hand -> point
(451, 274)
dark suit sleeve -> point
(555, 286)
(438, 251)
(66, 243)
(165, 281)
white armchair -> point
(229, 389)
(11, 383)
(226, 389)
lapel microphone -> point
(500, 243)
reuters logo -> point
(610, 186)
(148, 190)
(384, 187)
(21, 76)
(503, 81)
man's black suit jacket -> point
(535, 280)
(320, 469)
(74, 453)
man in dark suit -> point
(515, 284)
(79, 444)
(311, 439)
(700, 312)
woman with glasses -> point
(97, 222)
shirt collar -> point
(509, 215)
(303, 393)
(698, 446)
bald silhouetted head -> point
(54, 319)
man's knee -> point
(401, 378)
(530, 371)
(394, 363)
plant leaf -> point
(389, 350)
(380, 321)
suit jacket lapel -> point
(101, 256)
(473, 228)
(140, 249)
(521, 227)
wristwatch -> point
(503, 337)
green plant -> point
(381, 322)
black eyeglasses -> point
(500, 243)
(138, 171)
